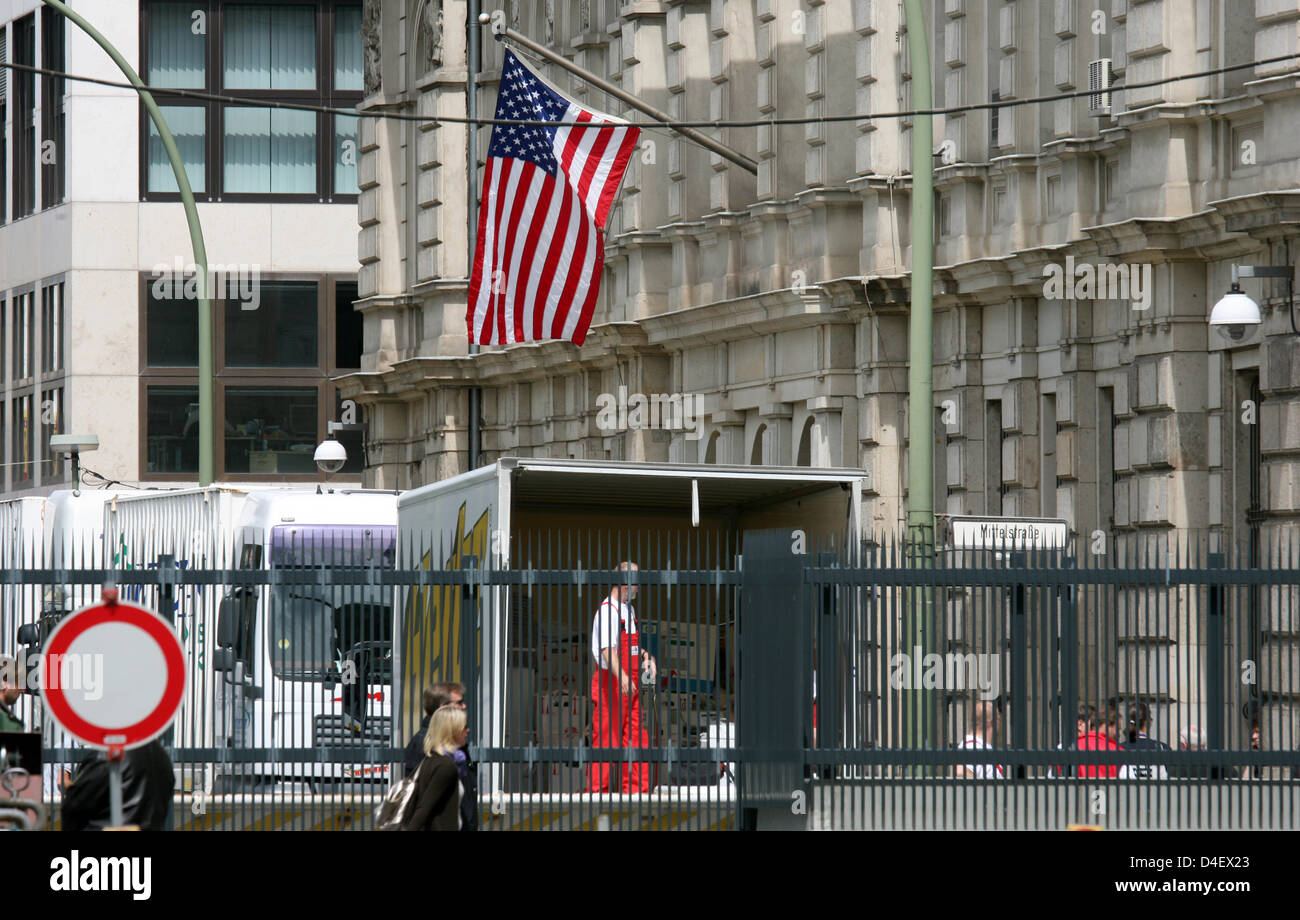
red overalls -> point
(616, 719)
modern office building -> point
(99, 330)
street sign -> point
(1002, 533)
(113, 675)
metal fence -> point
(794, 685)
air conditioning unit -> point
(1099, 80)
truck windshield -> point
(317, 630)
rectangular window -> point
(269, 152)
(347, 50)
(4, 136)
(24, 118)
(188, 125)
(52, 120)
(23, 340)
(172, 429)
(1106, 458)
(1048, 429)
(51, 424)
(993, 490)
(52, 328)
(1053, 195)
(171, 325)
(348, 327)
(345, 154)
(274, 370)
(306, 52)
(281, 332)
(271, 430)
(270, 47)
(21, 456)
(177, 45)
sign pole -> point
(115, 756)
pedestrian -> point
(1193, 739)
(1103, 737)
(1139, 720)
(435, 804)
(147, 787)
(983, 733)
(11, 688)
(1085, 721)
(615, 687)
(435, 696)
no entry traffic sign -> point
(113, 675)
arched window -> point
(805, 444)
(756, 455)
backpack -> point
(391, 811)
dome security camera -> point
(1235, 315)
(330, 456)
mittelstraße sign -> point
(1002, 533)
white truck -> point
(289, 665)
(525, 650)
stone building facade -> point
(782, 299)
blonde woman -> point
(436, 803)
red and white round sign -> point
(113, 675)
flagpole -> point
(505, 32)
(474, 48)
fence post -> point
(167, 608)
(1215, 646)
(1019, 663)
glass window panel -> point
(21, 458)
(281, 332)
(51, 424)
(176, 50)
(345, 155)
(349, 326)
(270, 151)
(173, 429)
(347, 49)
(188, 125)
(270, 47)
(271, 430)
(171, 324)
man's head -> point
(984, 719)
(1111, 722)
(11, 682)
(447, 693)
(1191, 739)
(1087, 718)
(625, 593)
(1139, 720)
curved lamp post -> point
(206, 427)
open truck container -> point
(531, 644)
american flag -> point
(547, 193)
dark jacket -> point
(147, 786)
(469, 801)
(435, 804)
(415, 747)
(8, 721)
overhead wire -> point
(232, 99)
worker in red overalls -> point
(616, 685)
